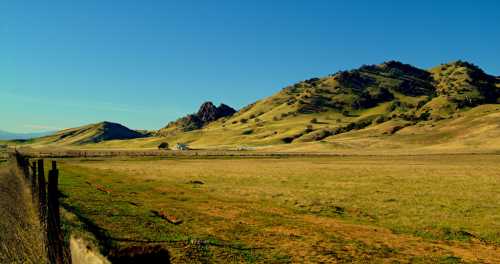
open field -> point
(421, 209)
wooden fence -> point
(45, 195)
(71, 153)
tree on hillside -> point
(163, 145)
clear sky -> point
(144, 62)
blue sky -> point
(144, 63)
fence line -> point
(46, 196)
(71, 153)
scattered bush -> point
(163, 145)
(380, 119)
(247, 132)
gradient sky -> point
(144, 63)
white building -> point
(182, 146)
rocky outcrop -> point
(206, 114)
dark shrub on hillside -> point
(163, 145)
(380, 119)
(247, 132)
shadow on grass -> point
(147, 252)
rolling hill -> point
(388, 106)
(391, 103)
(89, 134)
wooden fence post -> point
(25, 166)
(42, 194)
(34, 187)
(54, 234)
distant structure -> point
(244, 148)
(182, 146)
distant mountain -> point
(11, 136)
(93, 133)
(206, 114)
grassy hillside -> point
(473, 130)
(391, 101)
(89, 134)
(380, 107)
(389, 106)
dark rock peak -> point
(208, 112)
(225, 110)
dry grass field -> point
(20, 233)
(383, 209)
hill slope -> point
(93, 133)
(388, 106)
(386, 99)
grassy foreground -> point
(20, 232)
(419, 209)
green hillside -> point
(89, 134)
(383, 100)
(387, 106)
